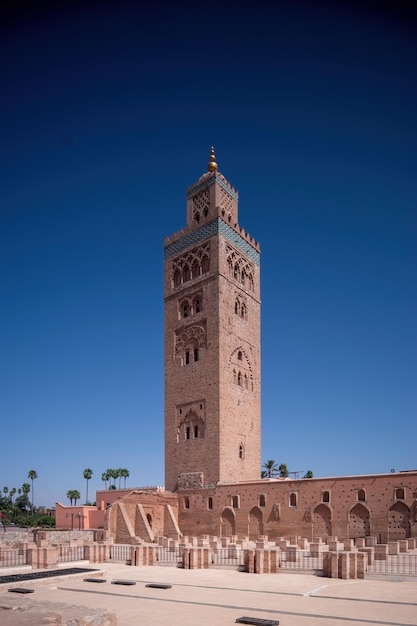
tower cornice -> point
(209, 178)
(190, 237)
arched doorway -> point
(359, 522)
(399, 522)
(255, 525)
(322, 521)
(227, 523)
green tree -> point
(12, 493)
(124, 473)
(113, 473)
(87, 473)
(283, 470)
(271, 468)
(32, 474)
(308, 474)
(73, 495)
(105, 478)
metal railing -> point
(13, 558)
(169, 556)
(301, 560)
(233, 557)
(72, 553)
(120, 552)
(402, 564)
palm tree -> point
(105, 478)
(32, 474)
(124, 473)
(283, 470)
(113, 473)
(25, 490)
(271, 468)
(12, 493)
(87, 475)
(73, 495)
(5, 490)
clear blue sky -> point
(107, 114)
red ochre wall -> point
(268, 507)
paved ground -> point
(220, 596)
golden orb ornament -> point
(212, 166)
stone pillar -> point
(45, 558)
(361, 566)
(370, 541)
(403, 545)
(259, 561)
(393, 547)
(292, 554)
(348, 545)
(274, 561)
(250, 561)
(381, 552)
(369, 554)
(331, 564)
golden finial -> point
(212, 166)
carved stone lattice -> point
(226, 201)
(201, 202)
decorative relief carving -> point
(191, 265)
(190, 480)
(192, 335)
(240, 269)
(201, 204)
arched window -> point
(196, 269)
(210, 503)
(236, 272)
(149, 518)
(239, 355)
(187, 432)
(262, 500)
(187, 274)
(243, 312)
(361, 495)
(399, 493)
(177, 278)
(205, 265)
(235, 502)
(186, 502)
(197, 305)
(239, 379)
(293, 499)
(185, 310)
(325, 496)
(195, 354)
(187, 357)
(196, 431)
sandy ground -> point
(220, 596)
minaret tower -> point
(212, 342)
